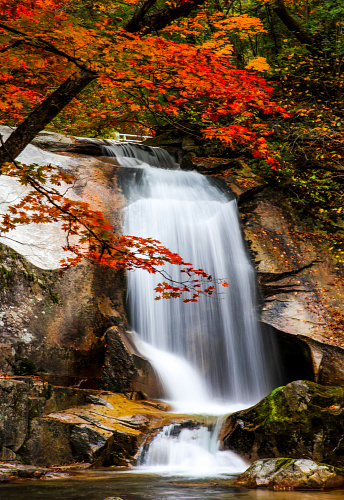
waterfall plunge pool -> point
(105, 485)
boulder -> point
(52, 426)
(66, 325)
(125, 369)
(301, 420)
(291, 474)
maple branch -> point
(167, 290)
(40, 189)
(46, 46)
(44, 192)
(43, 114)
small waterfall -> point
(190, 452)
(210, 356)
(134, 155)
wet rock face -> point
(53, 323)
(301, 285)
(300, 420)
(291, 474)
(125, 370)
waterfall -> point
(210, 356)
(190, 452)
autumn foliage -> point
(176, 72)
(158, 78)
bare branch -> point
(12, 46)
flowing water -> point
(210, 356)
(110, 486)
(218, 339)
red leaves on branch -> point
(90, 236)
(148, 79)
(140, 79)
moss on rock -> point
(300, 420)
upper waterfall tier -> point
(134, 155)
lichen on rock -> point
(290, 474)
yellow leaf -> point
(258, 64)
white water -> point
(210, 356)
(192, 452)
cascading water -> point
(190, 452)
(210, 356)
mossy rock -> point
(301, 420)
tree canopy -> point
(207, 69)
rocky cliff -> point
(69, 328)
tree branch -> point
(41, 116)
(295, 28)
(163, 17)
(134, 24)
(44, 45)
(12, 46)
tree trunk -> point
(43, 114)
(163, 17)
(295, 28)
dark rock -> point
(57, 339)
(119, 368)
(14, 417)
(8, 472)
(51, 141)
(294, 353)
(328, 361)
(291, 474)
(305, 358)
(125, 370)
(52, 426)
(300, 420)
(87, 442)
(48, 443)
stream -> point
(104, 485)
